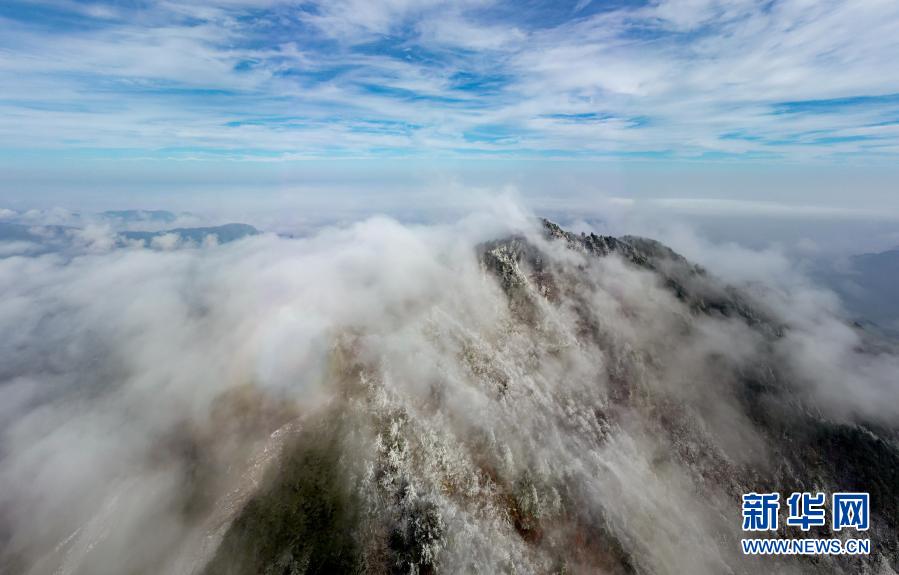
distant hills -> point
(869, 287)
(162, 216)
(56, 237)
(224, 233)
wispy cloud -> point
(250, 78)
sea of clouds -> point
(137, 380)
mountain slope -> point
(617, 458)
(484, 397)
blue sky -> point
(270, 80)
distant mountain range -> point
(868, 284)
(54, 237)
(224, 233)
(163, 216)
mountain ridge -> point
(805, 444)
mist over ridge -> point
(490, 395)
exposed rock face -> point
(599, 425)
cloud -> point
(277, 79)
(143, 393)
